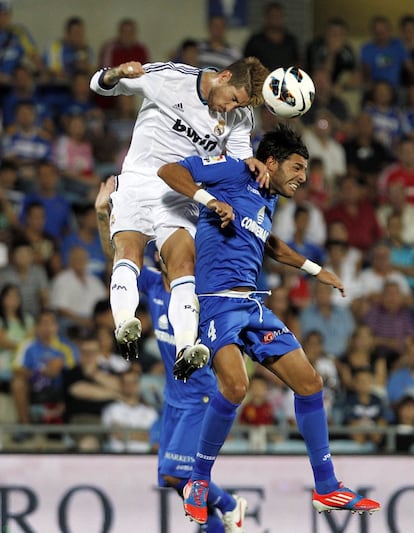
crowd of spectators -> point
(355, 215)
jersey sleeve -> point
(214, 170)
(149, 84)
(238, 143)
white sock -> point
(124, 295)
(183, 311)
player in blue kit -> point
(233, 232)
(184, 403)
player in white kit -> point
(185, 111)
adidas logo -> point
(178, 106)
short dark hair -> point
(280, 144)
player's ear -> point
(225, 76)
(272, 163)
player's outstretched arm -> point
(283, 253)
(182, 181)
(131, 70)
(105, 81)
(102, 215)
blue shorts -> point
(247, 322)
(180, 431)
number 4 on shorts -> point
(212, 333)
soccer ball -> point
(288, 92)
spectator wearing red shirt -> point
(258, 410)
(124, 47)
(356, 213)
(402, 171)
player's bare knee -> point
(171, 481)
(311, 386)
(235, 392)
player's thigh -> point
(130, 245)
(178, 254)
(133, 204)
(175, 212)
(296, 371)
(230, 370)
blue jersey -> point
(230, 257)
(202, 385)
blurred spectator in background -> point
(283, 221)
(129, 413)
(408, 110)
(279, 302)
(364, 408)
(327, 100)
(79, 101)
(384, 57)
(402, 253)
(10, 202)
(87, 390)
(265, 121)
(396, 203)
(406, 26)
(75, 292)
(333, 53)
(338, 261)
(25, 144)
(109, 360)
(102, 315)
(401, 171)
(44, 246)
(404, 420)
(215, 51)
(124, 47)
(29, 277)
(17, 46)
(335, 324)
(73, 154)
(15, 327)
(187, 52)
(300, 242)
(58, 213)
(38, 369)
(320, 142)
(324, 363)
(387, 118)
(365, 155)
(356, 212)
(23, 88)
(274, 45)
(119, 124)
(319, 191)
(391, 322)
(401, 380)
(69, 54)
(257, 410)
(362, 353)
(373, 278)
(86, 236)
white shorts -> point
(145, 203)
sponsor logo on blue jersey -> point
(254, 227)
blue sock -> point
(214, 523)
(219, 498)
(217, 423)
(313, 426)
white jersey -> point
(174, 121)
